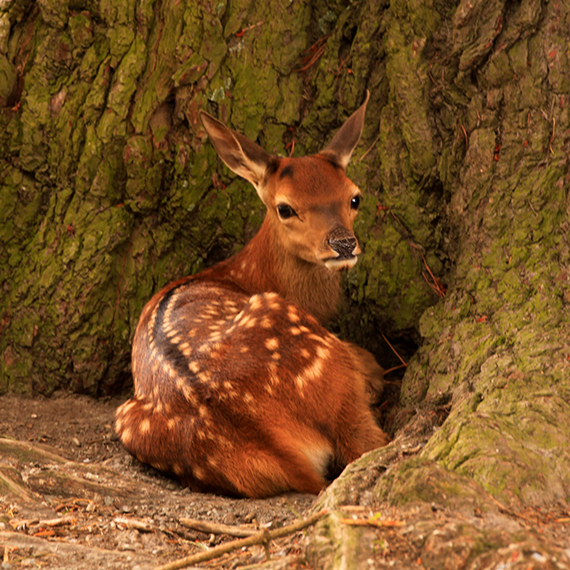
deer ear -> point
(345, 140)
(241, 155)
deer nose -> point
(342, 242)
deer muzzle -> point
(345, 245)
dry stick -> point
(69, 519)
(369, 149)
(552, 137)
(372, 522)
(139, 525)
(394, 368)
(394, 351)
(259, 538)
(215, 528)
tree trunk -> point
(492, 79)
(109, 189)
(498, 346)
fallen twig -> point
(369, 149)
(22, 524)
(134, 523)
(72, 504)
(311, 55)
(61, 521)
(217, 528)
(246, 29)
(372, 521)
(394, 368)
(395, 352)
(44, 533)
(262, 537)
(436, 285)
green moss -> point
(7, 80)
(190, 71)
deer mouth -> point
(341, 262)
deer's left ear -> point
(344, 142)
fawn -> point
(239, 388)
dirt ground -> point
(119, 513)
(71, 497)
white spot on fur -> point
(126, 435)
(214, 462)
(124, 408)
(255, 302)
(188, 393)
(145, 426)
(204, 376)
(272, 343)
(322, 352)
(293, 314)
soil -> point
(120, 513)
(71, 497)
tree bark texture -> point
(495, 351)
(498, 345)
(109, 189)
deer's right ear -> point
(241, 155)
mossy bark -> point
(109, 189)
(494, 351)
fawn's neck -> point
(262, 266)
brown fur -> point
(239, 389)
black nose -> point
(342, 241)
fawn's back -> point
(239, 388)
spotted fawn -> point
(239, 387)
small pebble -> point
(229, 518)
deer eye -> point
(355, 202)
(285, 211)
